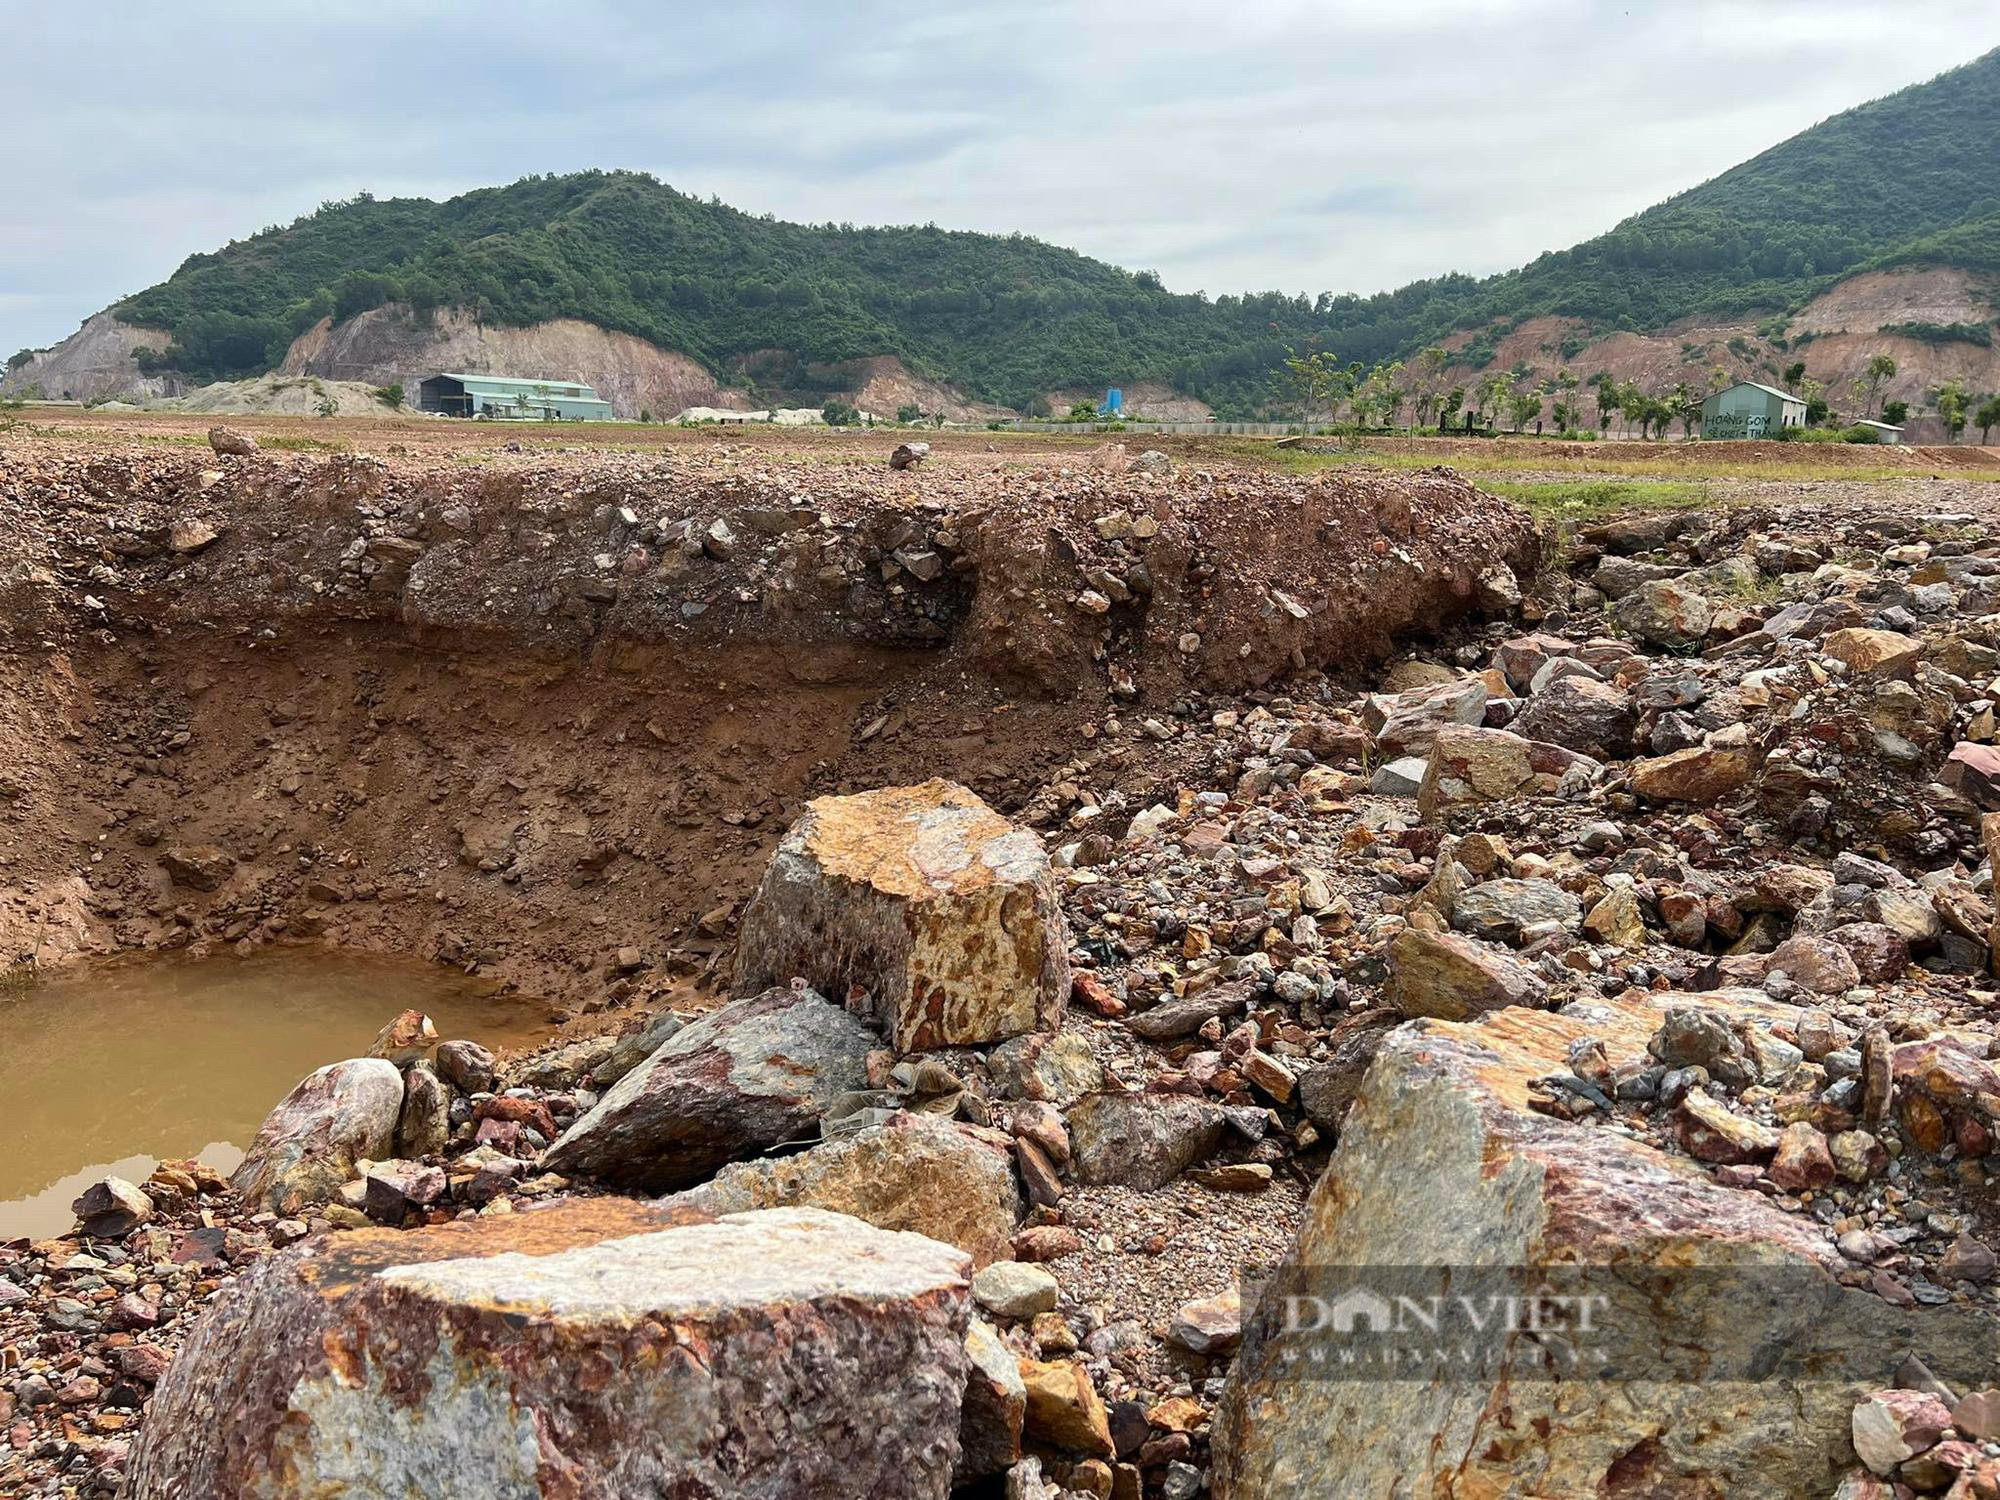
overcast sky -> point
(1231, 146)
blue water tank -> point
(1114, 402)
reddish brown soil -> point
(534, 733)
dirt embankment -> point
(524, 714)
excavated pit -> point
(544, 718)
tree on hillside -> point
(1950, 402)
(1813, 393)
(1450, 406)
(1564, 408)
(1794, 373)
(1426, 380)
(1685, 402)
(1605, 388)
(1987, 418)
(1880, 368)
(1895, 413)
(1632, 406)
(1523, 407)
(1313, 382)
(1392, 389)
(1494, 391)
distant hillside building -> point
(506, 398)
(1883, 432)
(1749, 410)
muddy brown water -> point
(111, 1068)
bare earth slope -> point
(425, 705)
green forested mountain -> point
(1911, 178)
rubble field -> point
(1001, 909)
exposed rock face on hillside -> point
(390, 346)
(94, 363)
(1843, 328)
(1143, 398)
(884, 385)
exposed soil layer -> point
(533, 714)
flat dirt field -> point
(430, 435)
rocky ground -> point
(1644, 916)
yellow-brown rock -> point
(1872, 652)
(1064, 1409)
(919, 906)
(1697, 774)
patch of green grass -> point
(1529, 456)
(290, 444)
(1581, 501)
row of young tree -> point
(1316, 386)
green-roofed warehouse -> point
(504, 397)
(1749, 410)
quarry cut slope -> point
(390, 346)
(544, 717)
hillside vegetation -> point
(1907, 179)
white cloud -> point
(1267, 143)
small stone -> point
(1698, 774)
(1872, 652)
(1014, 1289)
(1064, 1409)
(111, 1208)
(1209, 1325)
(1891, 1426)
(1803, 1161)
(1236, 1177)
(1710, 1131)
(1968, 1259)
(467, 1066)
(231, 443)
(405, 1039)
(1978, 1416)
(1453, 978)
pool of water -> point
(114, 1067)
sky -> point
(1246, 145)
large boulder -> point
(1451, 977)
(1408, 722)
(1583, 714)
(1447, 1182)
(1700, 773)
(306, 1148)
(596, 1349)
(1664, 613)
(931, 1176)
(1485, 765)
(733, 1084)
(1142, 1141)
(923, 899)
